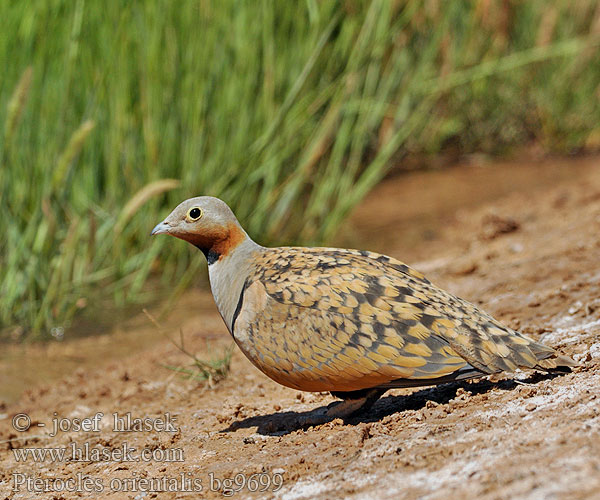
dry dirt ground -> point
(520, 240)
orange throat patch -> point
(215, 242)
(224, 246)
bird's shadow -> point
(281, 423)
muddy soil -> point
(520, 240)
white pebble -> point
(595, 350)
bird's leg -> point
(353, 402)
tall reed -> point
(290, 111)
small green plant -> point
(212, 371)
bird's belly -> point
(314, 349)
(311, 368)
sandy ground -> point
(521, 241)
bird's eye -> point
(194, 213)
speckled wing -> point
(320, 319)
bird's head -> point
(205, 222)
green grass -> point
(112, 113)
(211, 371)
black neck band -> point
(211, 255)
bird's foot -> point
(353, 403)
(346, 408)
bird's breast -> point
(227, 287)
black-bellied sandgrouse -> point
(350, 322)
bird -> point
(352, 323)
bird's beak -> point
(160, 228)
